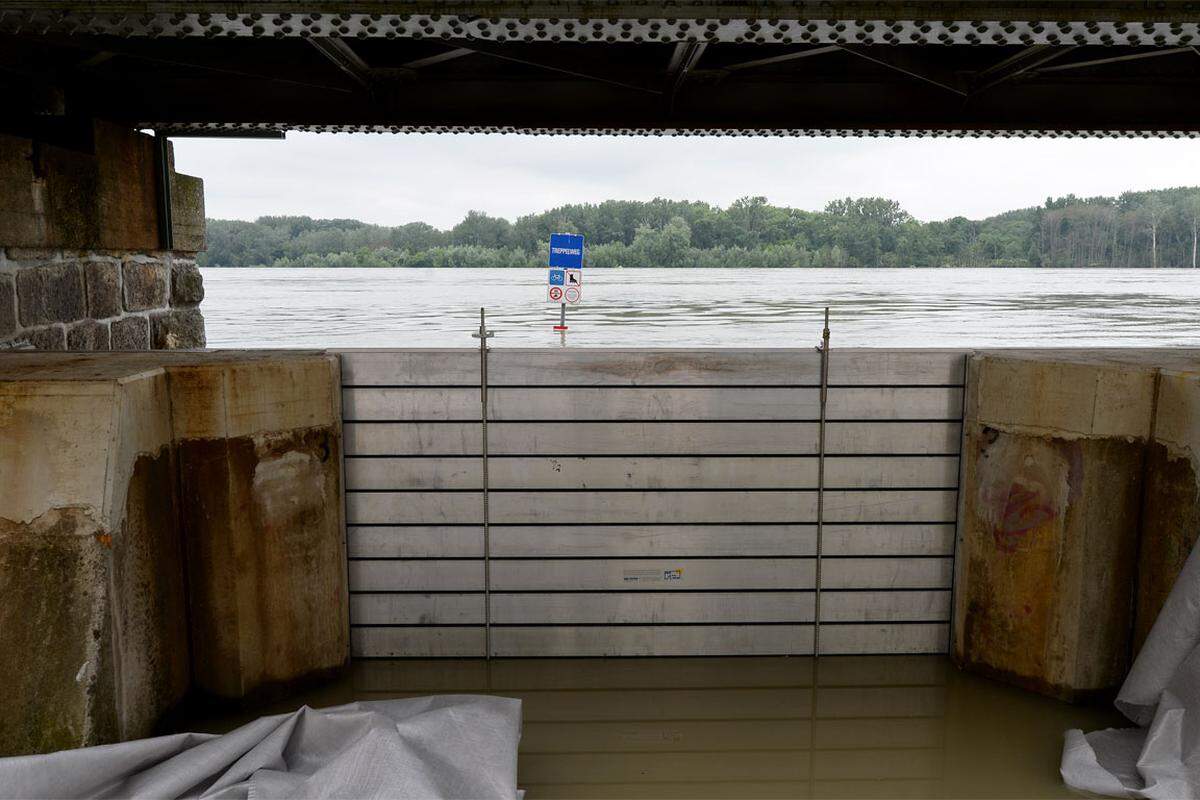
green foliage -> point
(1136, 229)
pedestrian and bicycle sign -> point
(566, 286)
(565, 281)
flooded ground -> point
(706, 307)
(883, 727)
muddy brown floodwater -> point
(883, 727)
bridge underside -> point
(1098, 68)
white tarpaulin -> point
(451, 746)
(1161, 759)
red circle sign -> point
(572, 294)
(556, 293)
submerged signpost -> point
(564, 284)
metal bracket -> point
(162, 169)
(483, 334)
(823, 349)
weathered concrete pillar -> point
(1171, 511)
(81, 264)
(259, 444)
(115, 470)
(93, 640)
(1049, 518)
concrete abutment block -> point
(121, 464)
(1170, 522)
(1078, 506)
(259, 447)
(92, 649)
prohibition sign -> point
(556, 293)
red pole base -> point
(560, 327)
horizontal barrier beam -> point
(673, 541)
(665, 640)
(591, 404)
(863, 437)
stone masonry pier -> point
(82, 264)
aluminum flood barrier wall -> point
(649, 502)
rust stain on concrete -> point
(266, 558)
(111, 491)
(1049, 535)
(1019, 504)
(151, 645)
(1170, 527)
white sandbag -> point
(450, 746)
(1160, 760)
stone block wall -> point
(82, 266)
(100, 300)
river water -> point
(705, 307)
(885, 727)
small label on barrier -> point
(652, 575)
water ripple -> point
(705, 308)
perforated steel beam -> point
(991, 68)
(992, 23)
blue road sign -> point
(566, 250)
(557, 277)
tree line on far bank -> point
(1137, 229)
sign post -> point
(565, 280)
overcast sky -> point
(392, 178)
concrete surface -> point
(1051, 492)
(1170, 521)
(91, 643)
(260, 482)
(113, 467)
(1078, 505)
